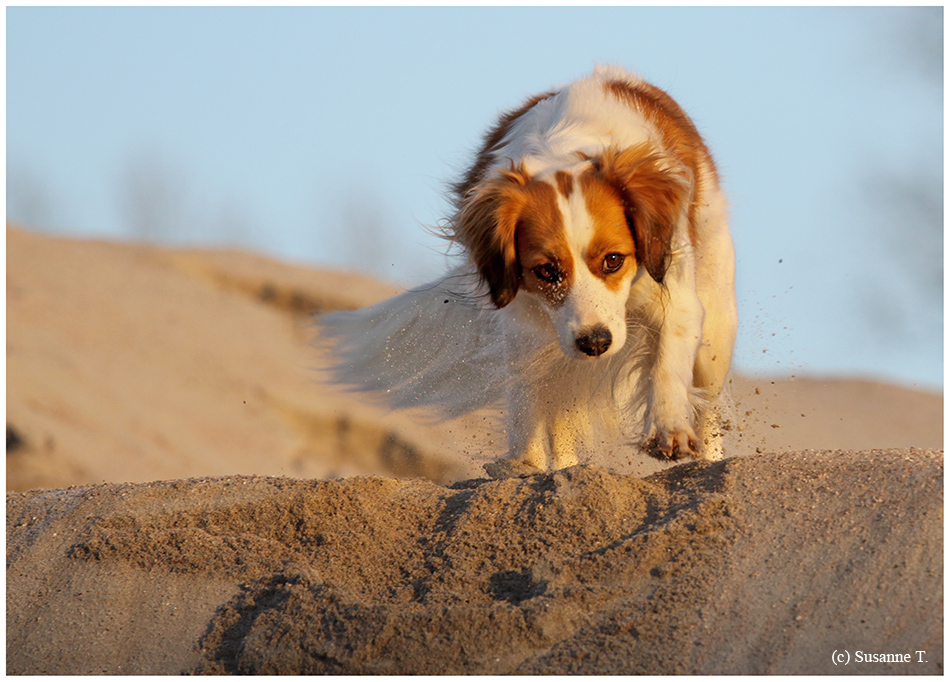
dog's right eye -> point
(613, 262)
(547, 273)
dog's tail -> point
(435, 346)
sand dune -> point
(133, 363)
(175, 391)
(764, 564)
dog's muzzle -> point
(595, 341)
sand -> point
(196, 501)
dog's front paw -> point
(673, 444)
(510, 468)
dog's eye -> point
(547, 273)
(613, 261)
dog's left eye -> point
(548, 272)
(613, 261)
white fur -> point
(588, 303)
(444, 345)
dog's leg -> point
(542, 433)
(715, 280)
(669, 430)
(564, 437)
(568, 420)
(528, 437)
(529, 442)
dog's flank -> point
(596, 300)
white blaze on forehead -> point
(578, 226)
(589, 303)
(577, 221)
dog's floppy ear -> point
(655, 190)
(486, 224)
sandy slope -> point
(130, 363)
(762, 564)
(129, 366)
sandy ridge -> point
(750, 565)
(139, 363)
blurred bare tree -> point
(915, 197)
(920, 42)
(909, 199)
(28, 202)
(365, 240)
(913, 205)
(152, 198)
(232, 224)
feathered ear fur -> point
(486, 224)
(656, 191)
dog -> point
(595, 300)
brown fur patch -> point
(565, 183)
(654, 189)
(680, 136)
(510, 225)
(486, 224)
(540, 240)
(611, 232)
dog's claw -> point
(673, 446)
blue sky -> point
(328, 135)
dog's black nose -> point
(595, 341)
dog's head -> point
(575, 238)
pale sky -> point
(328, 136)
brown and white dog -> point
(597, 296)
